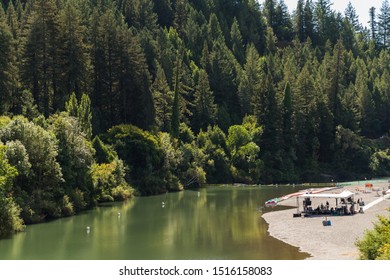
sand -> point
(335, 242)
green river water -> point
(218, 222)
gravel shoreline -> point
(335, 242)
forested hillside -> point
(97, 95)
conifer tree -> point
(205, 110)
(181, 16)
(165, 12)
(352, 17)
(309, 20)
(40, 72)
(384, 25)
(73, 61)
(175, 121)
(283, 26)
(373, 25)
(163, 100)
(237, 42)
(5, 65)
(299, 21)
(249, 81)
(85, 116)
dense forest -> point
(103, 99)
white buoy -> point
(163, 204)
(88, 230)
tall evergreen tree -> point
(175, 121)
(237, 43)
(373, 24)
(163, 100)
(309, 20)
(384, 25)
(40, 72)
(352, 17)
(165, 13)
(283, 26)
(5, 65)
(73, 60)
(205, 110)
(249, 81)
(299, 21)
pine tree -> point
(140, 14)
(270, 12)
(373, 24)
(323, 15)
(283, 27)
(5, 64)
(369, 123)
(85, 116)
(163, 100)
(249, 81)
(309, 20)
(205, 110)
(384, 25)
(73, 59)
(165, 12)
(72, 106)
(40, 72)
(299, 21)
(352, 17)
(181, 16)
(175, 121)
(337, 82)
(237, 42)
(288, 139)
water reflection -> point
(212, 223)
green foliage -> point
(245, 163)
(185, 133)
(141, 152)
(81, 111)
(108, 181)
(41, 185)
(103, 154)
(163, 100)
(375, 243)
(10, 221)
(205, 112)
(213, 144)
(75, 154)
(380, 163)
(317, 104)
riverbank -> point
(335, 242)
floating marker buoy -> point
(88, 229)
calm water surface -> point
(214, 223)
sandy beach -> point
(335, 242)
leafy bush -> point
(10, 220)
(67, 208)
(142, 153)
(109, 183)
(375, 244)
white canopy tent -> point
(345, 195)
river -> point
(214, 223)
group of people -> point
(322, 209)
